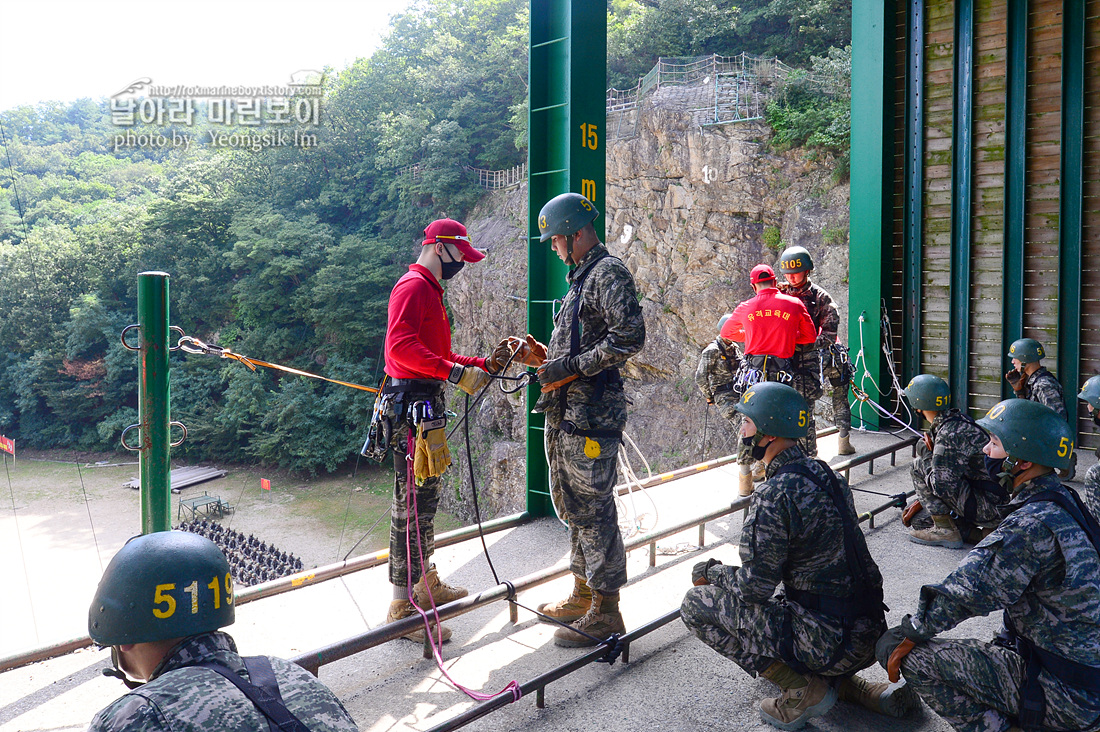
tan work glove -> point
(432, 456)
(530, 352)
(913, 509)
(470, 379)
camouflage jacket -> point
(956, 453)
(716, 370)
(1038, 566)
(611, 331)
(1043, 387)
(184, 698)
(823, 311)
(793, 535)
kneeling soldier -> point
(801, 530)
(1042, 567)
(949, 472)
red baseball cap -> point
(450, 231)
(762, 273)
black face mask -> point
(451, 268)
(993, 468)
(757, 449)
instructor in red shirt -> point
(419, 362)
(770, 325)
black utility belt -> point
(415, 387)
(571, 429)
(768, 363)
(860, 605)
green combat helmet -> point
(565, 215)
(1026, 350)
(722, 321)
(1090, 392)
(776, 409)
(794, 260)
(929, 393)
(1031, 431)
(170, 584)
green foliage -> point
(772, 238)
(816, 112)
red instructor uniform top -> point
(418, 334)
(770, 324)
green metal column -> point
(566, 152)
(153, 408)
(1072, 198)
(914, 189)
(872, 182)
(962, 135)
(1012, 326)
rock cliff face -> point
(689, 211)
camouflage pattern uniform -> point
(396, 409)
(808, 371)
(715, 376)
(792, 535)
(183, 698)
(1043, 387)
(583, 470)
(1091, 494)
(952, 479)
(1038, 566)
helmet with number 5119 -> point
(169, 584)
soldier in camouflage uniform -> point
(598, 327)
(1090, 394)
(187, 675)
(801, 531)
(949, 472)
(1042, 568)
(1031, 380)
(715, 375)
(820, 358)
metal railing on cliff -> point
(715, 89)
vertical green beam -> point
(566, 152)
(156, 513)
(1072, 197)
(1012, 326)
(962, 139)
(871, 185)
(914, 189)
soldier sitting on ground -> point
(801, 530)
(1042, 567)
(1090, 394)
(949, 472)
(1030, 380)
(159, 606)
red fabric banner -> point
(7, 445)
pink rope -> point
(434, 640)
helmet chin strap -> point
(569, 248)
(118, 673)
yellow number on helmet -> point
(1065, 447)
(542, 222)
(996, 411)
(802, 419)
(168, 600)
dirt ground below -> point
(63, 516)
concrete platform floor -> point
(673, 681)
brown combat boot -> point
(402, 609)
(893, 700)
(601, 621)
(943, 533)
(844, 446)
(573, 607)
(797, 704)
(440, 591)
(745, 486)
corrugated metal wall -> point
(1042, 189)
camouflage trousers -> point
(422, 542)
(975, 687)
(976, 506)
(1091, 493)
(583, 488)
(807, 382)
(838, 392)
(752, 636)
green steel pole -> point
(156, 513)
(872, 175)
(566, 152)
(962, 190)
(1015, 224)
